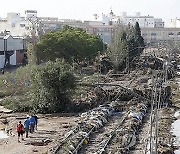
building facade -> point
(152, 28)
(144, 21)
(158, 35)
(12, 51)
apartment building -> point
(157, 35)
(173, 23)
(144, 21)
(152, 28)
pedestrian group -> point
(29, 125)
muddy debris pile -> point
(93, 120)
(124, 137)
(90, 121)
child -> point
(20, 130)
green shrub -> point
(17, 103)
(15, 83)
(52, 86)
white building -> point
(11, 50)
(17, 25)
(173, 23)
(158, 35)
(2, 54)
(31, 14)
(144, 21)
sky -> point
(84, 9)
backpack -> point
(19, 127)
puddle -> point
(3, 135)
(175, 127)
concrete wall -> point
(160, 34)
(2, 60)
(13, 59)
(10, 44)
(18, 44)
(1, 44)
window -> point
(153, 34)
(1, 52)
(178, 33)
(22, 25)
(171, 33)
(13, 24)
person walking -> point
(32, 123)
(36, 121)
(20, 130)
(26, 126)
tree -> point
(68, 43)
(138, 38)
(52, 86)
(127, 44)
(118, 47)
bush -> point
(17, 103)
(16, 82)
(52, 86)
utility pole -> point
(127, 60)
(99, 66)
(152, 112)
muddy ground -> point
(50, 129)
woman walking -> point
(20, 130)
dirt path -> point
(50, 128)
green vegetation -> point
(69, 44)
(46, 88)
(52, 86)
(127, 44)
(15, 83)
(14, 89)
